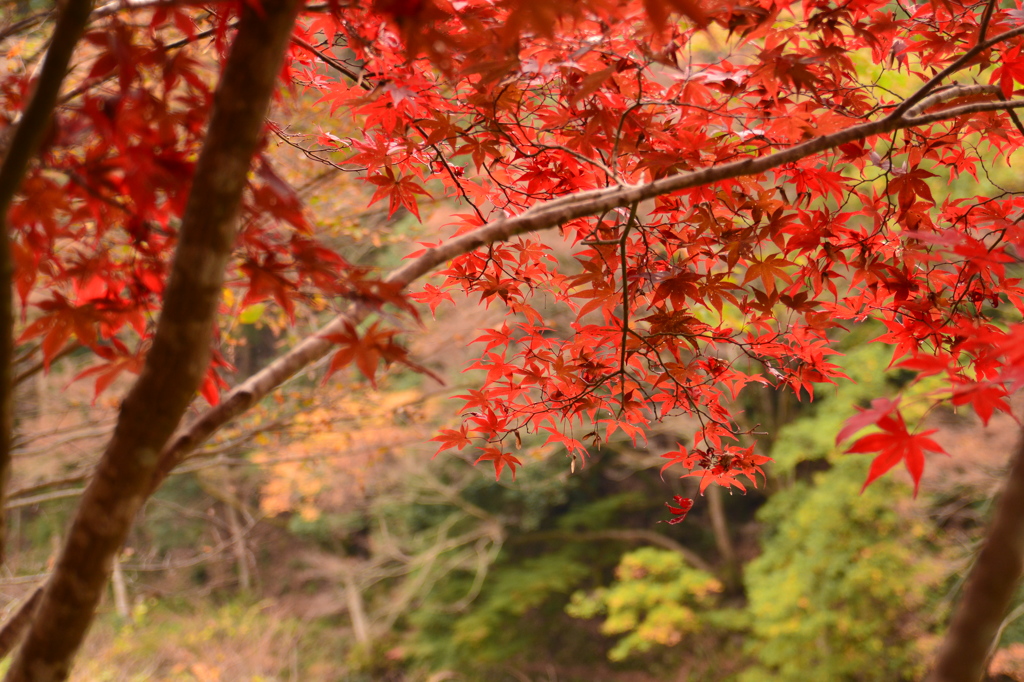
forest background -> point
(318, 537)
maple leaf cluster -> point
(95, 224)
(674, 307)
(780, 194)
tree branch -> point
(25, 142)
(16, 624)
(962, 61)
(990, 587)
(723, 541)
(20, 502)
(22, 24)
(986, 18)
(974, 108)
(180, 353)
(543, 216)
(952, 92)
(40, 365)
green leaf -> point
(252, 314)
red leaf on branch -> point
(1009, 71)
(433, 296)
(500, 460)
(682, 508)
(401, 191)
(452, 438)
(119, 360)
(893, 444)
(880, 407)
(984, 396)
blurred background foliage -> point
(317, 541)
(320, 541)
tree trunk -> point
(180, 352)
(356, 608)
(120, 589)
(238, 547)
(25, 142)
(723, 541)
(990, 587)
(16, 625)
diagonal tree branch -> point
(16, 625)
(961, 62)
(27, 138)
(976, 108)
(180, 353)
(541, 217)
(945, 94)
(22, 25)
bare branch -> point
(22, 25)
(120, 5)
(952, 92)
(41, 487)
(974, 108)
(357, 78)
(40, 365)
(132, 5)
(44, 497)
(986, 18)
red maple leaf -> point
(893, 444)
(401, 191)
(500, 459)
(685, 504)
(452, 438)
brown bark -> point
(990, 586)
(119, 586)
(25, 142)
(239, 549)
(180, 353)
(723, 541)
(16, 625)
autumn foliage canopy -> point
(672, 200)
(734, 197)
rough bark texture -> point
(180, 353)
(990, 587)
(74, 14)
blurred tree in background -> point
(657, 230)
